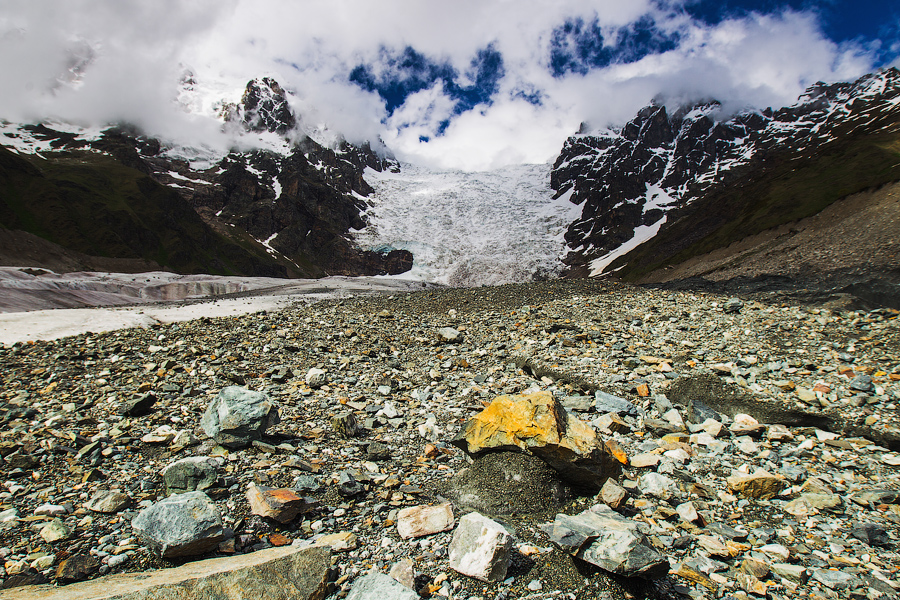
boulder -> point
(539, 425)
(480, 548)
(238, 416)
(192, 474)
(286, 573)
(608, 540)
(180, 525)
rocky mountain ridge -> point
(666, 174)
(289, 204)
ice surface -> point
(156, 297)
(470, 228)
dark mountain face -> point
(287, 212)
(685, 177)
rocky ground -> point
(759, 439)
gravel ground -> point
(824, 382)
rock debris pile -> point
(565, 439)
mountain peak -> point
(264, 107)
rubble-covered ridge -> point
(632, 181)
(756, 438)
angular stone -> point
(697, 577)
(779, 433)
(776, 551)
(645, 459)
(107, 501)
(761, 484)
(607, 403)
(658, 486)
(404, 571)
(238, 416)
(875, 497)
(538, 424)
(286, 573)
(55, 531)
(714, 546)
(836, 580)
(687, 512)
(75, 568)
(280, 504)
(732, 306)
(418, 521)
(138, 406)
(614, 543)
(316, 378)
(873, 535)
(753, 567)
(751, 584)
(673, 417)
(348, 486)
(161, 435)
(480, 548)
(345, 425)
(192, 474)
(795, 573)
(577, 403)
(339, 542)
(180, 525)
(698, 412)
(611, 423)
(613, 495)
(746, 425)
(448, 335)
(862, 383)
(378, 586)
(805, 394)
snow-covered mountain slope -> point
(466, 229)
(633, 183)
(277, 202)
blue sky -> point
(472, 84)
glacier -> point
(469, 228)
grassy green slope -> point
(769, 192)
(94, 204)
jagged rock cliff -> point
(691, 179)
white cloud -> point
(140, 49)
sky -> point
(469, 84)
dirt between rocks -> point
(412, 392)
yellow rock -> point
(538, 424)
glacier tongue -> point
(470, 228)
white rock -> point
(480, 548)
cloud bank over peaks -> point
(472, 85)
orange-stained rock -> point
(280, 504)
(538, 424)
